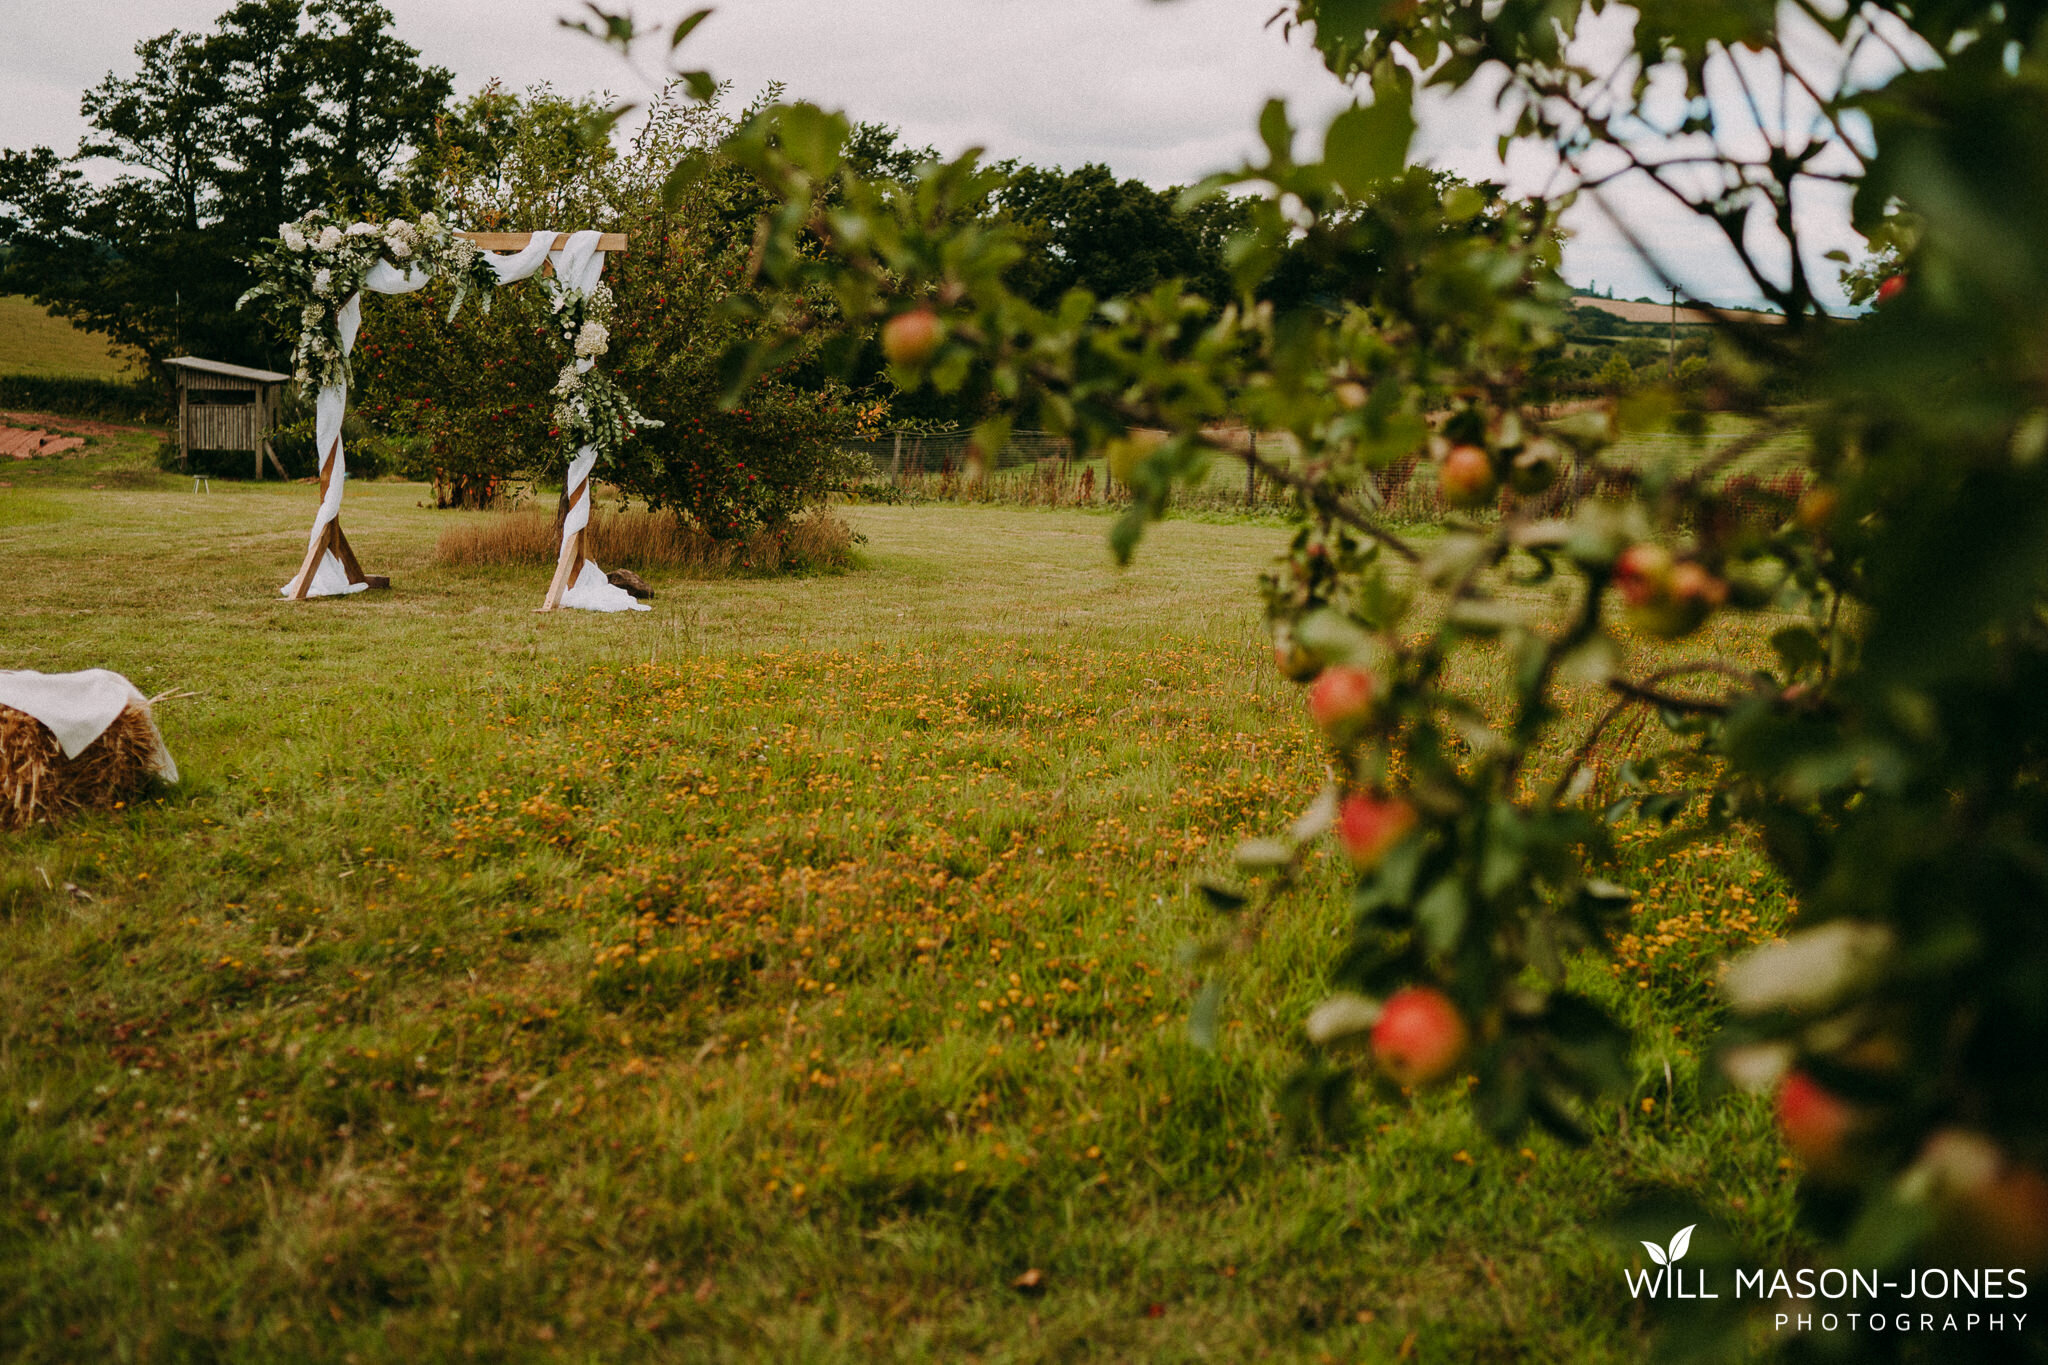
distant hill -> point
(1634, 311)
(34, 343)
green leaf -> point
(1202, 1018)
(1222, 899)
(1798, 647)
(812, 138)
(1441, 915)
(1463, 204)
(1277, 133)
(1370, 144)
(992, 438)
(1125, 535)
(686, 26)
(1342, 25)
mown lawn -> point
(776, 976)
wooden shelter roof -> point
(221, 367)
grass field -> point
(33, 342)
(776, 976)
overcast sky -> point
(1163, 92)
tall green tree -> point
(376, 104)
(1086, 229)
(218, 138)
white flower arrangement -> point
(589, 408)
(318, 266)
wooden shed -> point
(227, 407)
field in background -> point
(778, 975)
(34, 343)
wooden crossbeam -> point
(612, 242)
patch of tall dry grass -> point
(818, 541)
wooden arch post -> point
(572, 557)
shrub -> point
(105, 400)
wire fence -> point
(907, 454)
(1039, 469)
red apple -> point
(1420, 1036)
(1692, 584)
(909, 339)
(1666, 597)
(1466, 476)
(1342, 697)
(2012, 1217)
(1643, 572)
(1817, 508)
(1816, 1122)
(1893, 286)
(1368, 825)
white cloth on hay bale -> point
(78, 707)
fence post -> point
(1251, 470)
(896, 465)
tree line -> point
(285, 106)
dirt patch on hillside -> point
(30, 443)
(70, 426)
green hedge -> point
(106, 400)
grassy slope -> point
(774, 976)
(33, 342)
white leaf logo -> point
(1656, 1252)
(1681, 1242)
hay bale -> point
(38, 783)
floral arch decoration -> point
(318, 271)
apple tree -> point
(1891, 759)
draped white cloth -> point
(329, 578)
(78, 707)
(579, 265)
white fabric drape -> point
(329, 578)
(579, 265)
(78, 707)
